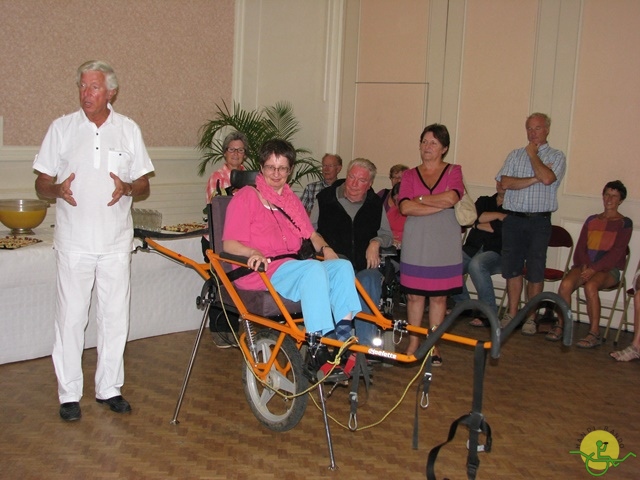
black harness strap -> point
(240, 272)
(421, 392)
(359, 370)
(474, 420)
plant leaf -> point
(277, 121)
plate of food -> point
(11, 242)
(184, 227)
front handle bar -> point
(498, 333)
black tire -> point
(286, 376)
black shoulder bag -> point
(307, 250)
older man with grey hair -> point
(351, 218)
(531, 176)
(93, 162)
(331, 166)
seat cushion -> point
(553, 275)
(260, 302)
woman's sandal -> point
(590, 341)
(555, 333)
(626, 355)
(479, 322)
(436, 361)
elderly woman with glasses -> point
(234, 147)
(267, 224)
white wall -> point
(291, 50)
(483, 66)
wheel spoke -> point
(281, 382)
(265, 350)
(266, 395)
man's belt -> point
(529, 215)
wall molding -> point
(21, 154)
(176, 189)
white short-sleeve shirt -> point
(73, 144)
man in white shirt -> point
(92, 162)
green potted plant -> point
(259, 125)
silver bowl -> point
(22, 216)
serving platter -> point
(184, 227)
(11, 242)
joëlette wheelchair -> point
(275, 376)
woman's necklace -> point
(284, 237)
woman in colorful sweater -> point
(598, 260)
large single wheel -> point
(274, 411)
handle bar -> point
(565, 311)
(496, 332)
(142, 234)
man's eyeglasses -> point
(272, 169)
(330, 166)
(235, 150)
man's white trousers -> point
(76, 275)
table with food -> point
(162, 294)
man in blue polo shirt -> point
(531, 176)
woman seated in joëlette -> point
(267, 224)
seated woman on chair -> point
(395, 175)
(481, 252)
(267, 224)
(598, 259)
(234, 147)
(396, 219)
(632, 352)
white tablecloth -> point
(163, 296)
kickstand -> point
(192, 359)
(325, 417)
